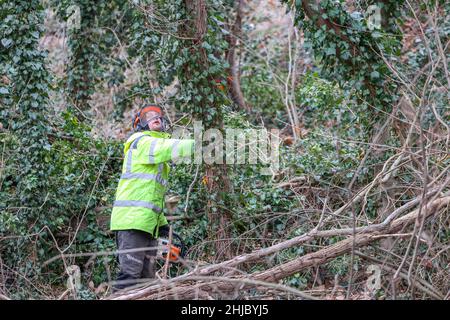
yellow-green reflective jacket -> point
(142, 186)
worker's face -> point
(153, 120)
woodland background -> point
(363, 187)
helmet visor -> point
(153, 120)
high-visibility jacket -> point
(140, 195)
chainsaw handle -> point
(177, 241)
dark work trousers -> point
(135, 265)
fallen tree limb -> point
(258, 254)
(325, 255)
(188, 291)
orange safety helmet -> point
(137, 124)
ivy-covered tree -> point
(83, 49)
(25, 92)
(24, 100)
(52, 165)
(192, 47)
(351, 51)
(354, 47)
(94, 28)
(201, 61)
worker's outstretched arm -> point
(156, 150)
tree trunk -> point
(217, 181)
(235, 81)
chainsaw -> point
(176, 250)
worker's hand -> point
(164, 230)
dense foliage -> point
(58, 176)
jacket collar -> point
(155, 134)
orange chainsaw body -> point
(163, 249)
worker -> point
(137, 216)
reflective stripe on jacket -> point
(142, 185)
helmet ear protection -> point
(139, 125)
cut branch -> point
(186, 291)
